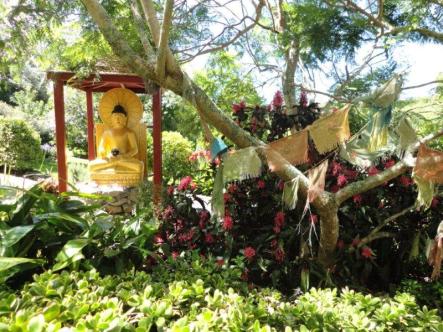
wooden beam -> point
(90, 121)
(60, 135)
(157, 141)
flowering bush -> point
(280, 245)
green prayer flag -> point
(356, 149)
(406, 133)
(426, 191)
(217, 200)
(290, 193)
(241, 165)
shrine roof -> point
(99, 82)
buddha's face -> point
(118, 120)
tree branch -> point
(154, 27)
(163, 43)
(421, 85)
(371, 182)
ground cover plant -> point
(211, 298)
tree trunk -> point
(291, 57)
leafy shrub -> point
(176, 151)
(281, 244)
(210, 298)
(20, 147)
(43, 229)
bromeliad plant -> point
(42, 229)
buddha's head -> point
(119, 117)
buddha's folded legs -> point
(117, 165)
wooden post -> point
(90, 119)
(157, 141)
(60, 136)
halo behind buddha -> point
(127, 99)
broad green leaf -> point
(36, 324)
(8, 262)
(70, 253)
(13, 235)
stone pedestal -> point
(123, 200)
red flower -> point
(232, 188)
(357, 199)
(276, 229)
(281, 185)
(226, 197)
(336, 168)
(340, 244)
(249, 253)
(237, 107)
(278, 99)
(193, 156)
(313, 218)
(366, 252)
(158, 239)
(227, 223)
(175, 255)
(279, 255)
(373, 171)
(170, 190)
(168, 212)
(341, 180)
(389, 163)
(435, 202)
(204, 215)
(261, 184)
(355, 242)
(220, 261)
(184, 183)
(274, 243)
(405, 181)
(279, 219)
(209, 238)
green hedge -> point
(198, 296)
(176, 150)
(20, 144)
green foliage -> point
(41, 228)
(210, 298)
(176, 151)
(426, 293)
(20, 147)
(225, 82)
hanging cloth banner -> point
(331, 130)
(426, 192)
(379, 134)
(241, 165)
(356, 152)
(217, 200)
(316, 178)
(292, 149)
(406, 134)
(429, 164)
(290, 193)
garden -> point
(285, 204)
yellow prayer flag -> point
(331, 130)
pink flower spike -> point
(249, 253)
(277, 101)
(366, 252)
(373, 171)
(341, 180)
(261, 184)
(184, 183)
(227, 223)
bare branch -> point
(338, 98)
(373, 234)
(421, 85)
(163, 43)
(154, 27)
(141, 28)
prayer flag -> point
(217, 200)
(426, 191)
(429, 164)
(331, 130)
(293, 149)
(290, 193)
(241, 165)
(317, 177)
(406, 133)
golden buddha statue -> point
(119, 159)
